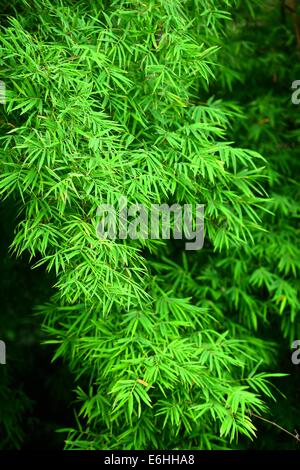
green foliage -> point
(106, 99)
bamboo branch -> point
(295, 436)
(292, 7)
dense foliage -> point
(162, 102)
